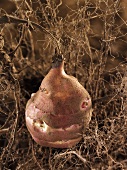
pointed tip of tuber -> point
(57, 60)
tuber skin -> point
(58, 113)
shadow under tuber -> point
(58, 113)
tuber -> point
(57, 114)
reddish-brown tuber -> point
(60, 110)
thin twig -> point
(71, 152)
(35, 159)
(2, 131)
(10, 19)
(19, 43)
